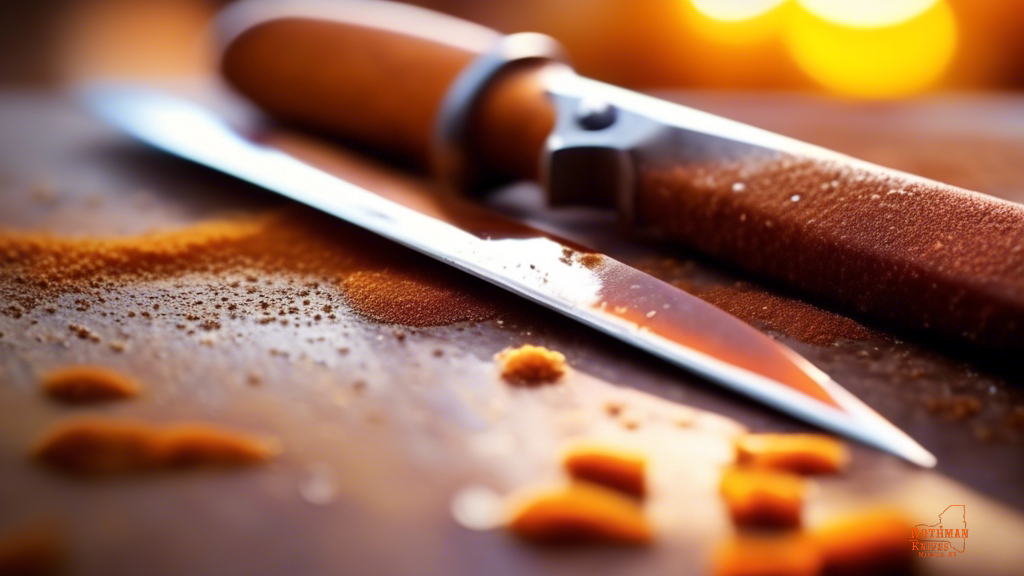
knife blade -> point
(604, 294)
(923, 257)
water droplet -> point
(318, 488)
(477, 508)
(738, 187)
(795, 197)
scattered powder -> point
(84, 384)
(531, 365)
(385, 284)
(956, 408)
(96, 447)
(793, 318)
(400, 297)
(590, 260)
(577, 513)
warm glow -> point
(867, 13)
(734, 10)
(739, 23)
(877, 61)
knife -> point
(471, 105)
(595, 290)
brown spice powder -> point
(386, 284)
(793, 318)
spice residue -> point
(84, 384)
(95, 447)
(385, 284)
(798, 320)
(531, 365)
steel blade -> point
(604, 294)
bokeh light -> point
(877, 61)
(738, 23)
(734, 10)
(867, 13)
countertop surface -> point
(383, 424)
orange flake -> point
(799, 453)
(868, 542)
(763, 498)
(578, 512)
(95, 447)
(531, 365)
(613, 467)
(84, 384)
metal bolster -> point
(450, 162)
(590, 156)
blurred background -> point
(852, 49)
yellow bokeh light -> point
(734, 10)
(867, 13)
(878, 61)
(736, 22)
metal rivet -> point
(593, 114)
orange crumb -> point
(81, 384)
(93, 447)
(800, 453)
(31, 551)
(531, 365)
(188, 445)
(767, 555)
(616, 468)
(763, 498)
(578, 512)
(869, 542)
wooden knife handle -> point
(375, 73)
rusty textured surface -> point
(382, 424)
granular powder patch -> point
(385, 284)
(793, 318)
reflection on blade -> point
(602, 293)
